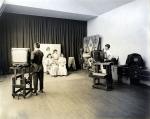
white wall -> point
(126, 29)
(1, 2)
(148, 34)
(2, 6)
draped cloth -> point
(22, 31)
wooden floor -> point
(72, 97)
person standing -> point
(62, 70)
(107, 53)
(37, 57)
(49, 62)
(45, 57)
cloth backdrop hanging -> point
(24, 30)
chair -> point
(71, 63)
(132, 69)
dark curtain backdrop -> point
(23, 30)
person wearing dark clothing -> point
(37, 57)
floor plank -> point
(72, 97)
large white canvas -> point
(20, 55)
(52, 47)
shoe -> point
(47, 72)
(35, 92)
(41, 91)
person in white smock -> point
(49, 62)
(107, 52)
(55, 55)
(107, 56)
(62, 70)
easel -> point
(24, 87)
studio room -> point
(74, 59)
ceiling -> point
(102, 6)
(68, 9)
(47, 13)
